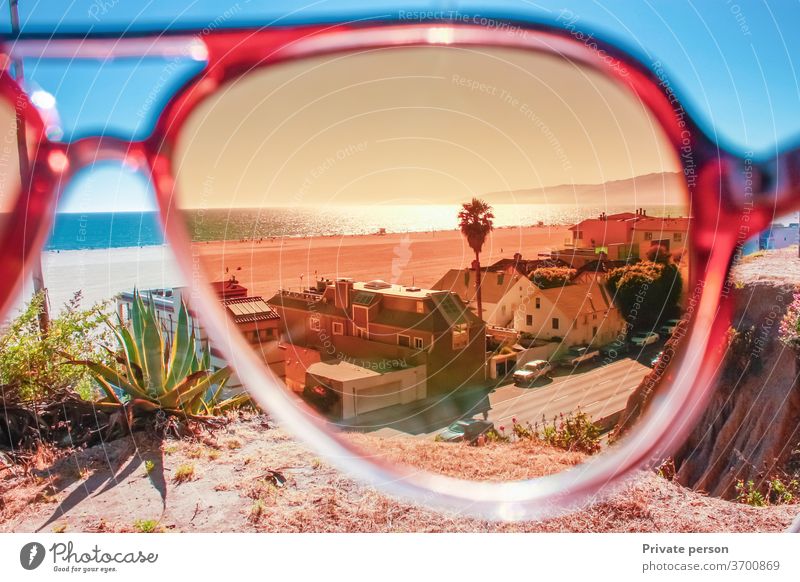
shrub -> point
(777, 491)
(549, 277)
(647, 289)
(748, 494)
(35, 366)
(789, 331)
(573, 432)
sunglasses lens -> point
(9, 165)
(457, 244)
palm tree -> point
(476, 222)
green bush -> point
(37, 366)
(776, 491)
(646, 291)
(549, 277)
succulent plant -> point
(153, 374)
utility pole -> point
(25, 169)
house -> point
(502, 292)
(576, 314)
(505, 286)
(778, 236)
(397, 331)
(628, 234)
(252, 316)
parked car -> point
(644, 338)
(531, 372)
(615, 349)
(467, 429)
(669, 326)
(578, 355)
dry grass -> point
(493, 462)
(236, 492)
(183, 473)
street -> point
(599, 391)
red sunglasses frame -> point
(726, 195)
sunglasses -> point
(310, 182)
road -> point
(599, 391)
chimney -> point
(517, 257)
(343, 287)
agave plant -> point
(152, 374)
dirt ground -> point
(252, 476)
(780, 266)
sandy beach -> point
(421, 258)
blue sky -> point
(733, 62)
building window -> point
(578, 234)
(594, 332)
(418, 343)
(460, 336)
(676, 237)
(466, 277)
(420, 307)
(555, 323)
(403, 340)
(500, 277)
(538, 303)
(529, 320)
(338, 328)
(648, 236)
(314, 324)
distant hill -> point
(647, 189)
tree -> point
(475, 220)
(646, 291)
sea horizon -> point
(103, 230)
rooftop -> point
(249, 309)
(384, 288)
(341, 371)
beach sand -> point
(418, 258)
(421, 258)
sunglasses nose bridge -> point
(90, 151)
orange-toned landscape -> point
(422, 258)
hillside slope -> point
(751, 428)
(232, 489)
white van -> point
(531, 372)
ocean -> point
(102, 230)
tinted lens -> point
(467, 245)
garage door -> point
(369, 399)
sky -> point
(433, 125)
(731, 63)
